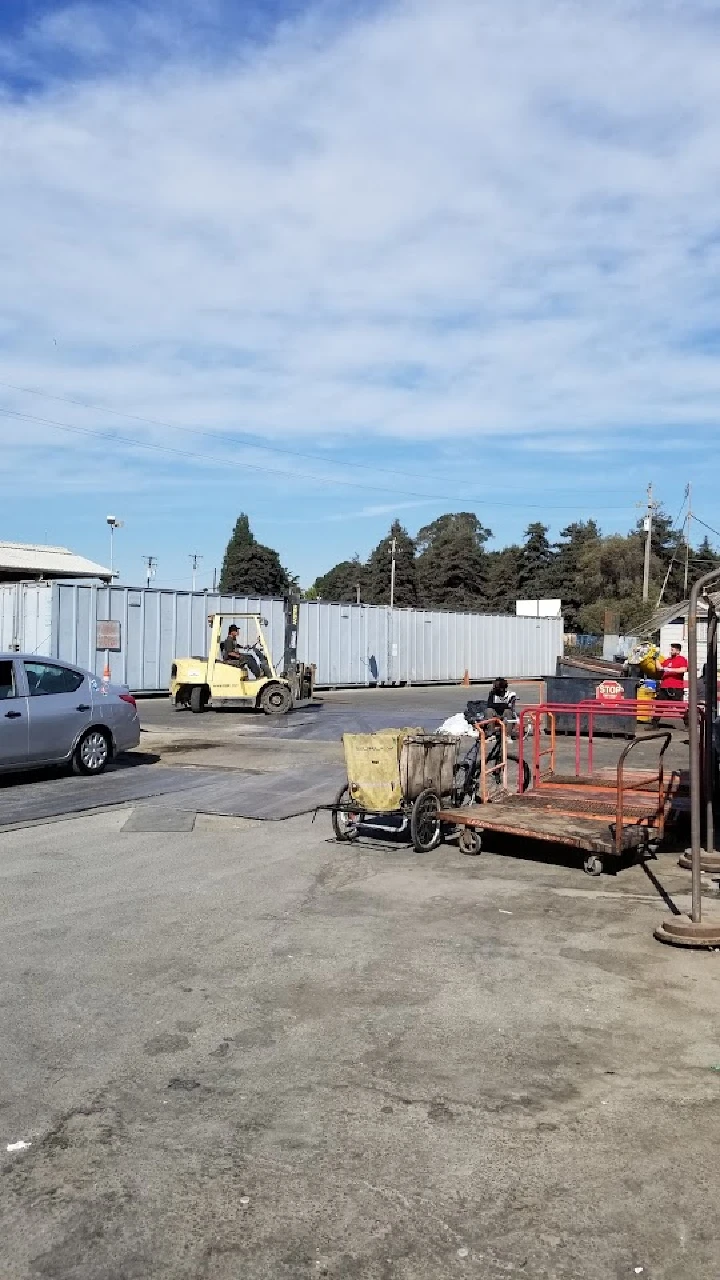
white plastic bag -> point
(458, 727)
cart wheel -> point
(514, 759)
(593, 865)
(470, 841)
(460, 791)
(344, 823)
(425, 828)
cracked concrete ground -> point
(247, 1051)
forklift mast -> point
(300, 675)
(292, 614)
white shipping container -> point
(348, 644)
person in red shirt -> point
(673, 672)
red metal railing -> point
(589, 709)
(659, 778)
(501, 766)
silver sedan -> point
(54, 713)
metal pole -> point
(687, 541)
(194, 557)
(694, 736)
(710, 713)
(696, 776)
(677, 930)
(648, 544)
(150, 562)
(106, 668)
(392, 572)
(357, 592)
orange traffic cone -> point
(466, 679)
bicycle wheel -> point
(425, 828)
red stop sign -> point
(609, 691)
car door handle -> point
(83, 706)
(13, 715)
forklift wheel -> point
(198, 698)
(275, 700)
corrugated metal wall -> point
(155, 627)
(349, 644)
(367, 644)
(26, 617)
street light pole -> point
(113, 523)
(393, 548)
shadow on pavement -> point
(50, 773)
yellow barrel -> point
(645, 694)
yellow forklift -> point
(206, 683)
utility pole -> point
(150, 563)
(648, 541)
(194, 557)
(357, 592)
(688, 519)
(393, 548)
(214, 579)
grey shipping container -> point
(349, 644)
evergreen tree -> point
(249, 567)
(503, 567)
(379, 568)
(452, 564)
(535, 563)
(702, 560)
(342, 581)
(566, 576)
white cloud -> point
(465, 218)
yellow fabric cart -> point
(401, 772)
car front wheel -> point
(91, 753)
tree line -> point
(447, 565)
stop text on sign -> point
(609, 691)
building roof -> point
(23, 560)
(662, 617)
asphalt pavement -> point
(245, 1051)
(330, 714)
(244, 764)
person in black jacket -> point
(498, 699)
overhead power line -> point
(264, 445)
(225, 461)
(706, 526)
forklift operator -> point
(235, 656)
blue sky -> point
(333, 263)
